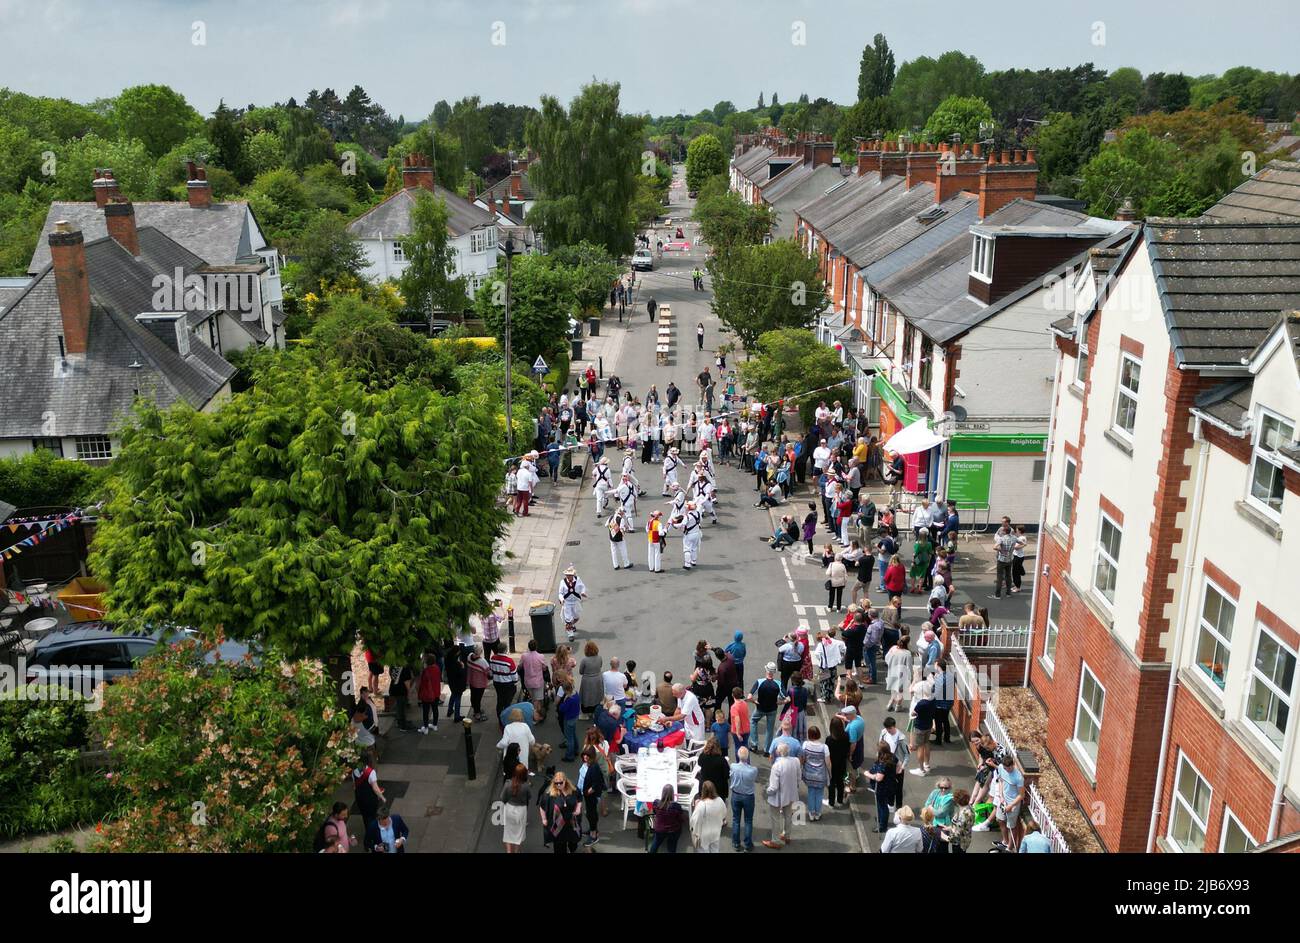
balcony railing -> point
(1006, 638)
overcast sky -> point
(669, 55)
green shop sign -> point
(896, 401)
(977, 443)
(969, 482)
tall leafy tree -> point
(542, 298)
(326, 255)
(306, 142)
(308, 513)
(726, 221)
(876, 72)
(589, 155)
(923, 82)
(704, 158)
(227, 139)
(760, 100)
(429, 283)
(155, 115)
(469, 125)
(961, 116)
(863, 120)
(764, 288)
(790, 361)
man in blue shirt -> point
(743, 777)
(766, 696)
(1013, 795)
(795, 746)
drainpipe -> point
(1042, 516)
(1180, 626)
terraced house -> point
(1165, 645)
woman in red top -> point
(430, 690)
(895, 576)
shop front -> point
(994, 474)
(894, 415)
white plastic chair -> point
(686, 792)
(627, 789)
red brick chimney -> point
(893, 160)
(517, 184)
(957, 170)
(922, 167)
(868, 157)
(68, 256)
(823, 153)
(1008, 176)
(473, 189)
(197, 187)
(119, 216)
(417, 172)
(105, 187)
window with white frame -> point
(1053, 627)
(399, 253)
(1087, 718)
(1126, 397)
(1235, 839)
(480, 240)
(1268, 700)
(1067, 492)
(94, 448)
(1081, 366)
(1190, 814)
(981, 258)
(1272, 432)
(1106, 574)
(1214, 638)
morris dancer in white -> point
(689, 525)
(626, 495)
(618, 530)
(572, 593)
(629, 469)
(671, 464)
(678, 502)
(704, 492)
(600, 485)
(655, 531)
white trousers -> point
(653, 558)
(618, 552)
(691, 547)
(670, 479)
(706, 507)
(602, 499)
(630, 514)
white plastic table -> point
(654, 770)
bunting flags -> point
(43, 601)
(46, 529)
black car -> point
(79, 654)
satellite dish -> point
(959, 413)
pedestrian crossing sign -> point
(539, 365)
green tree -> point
(591, 272)
(264, 151)
(760, 101)
(441, 114)
(308, 513)
(704, 158)
(156, 116)
(429, 283)
(281, 203)
(764, 288)
(21, 217)
(468, 124)
(227, 139)
(42, 479)
(260, 746)
(542, 299)
(327, 255)
(1125, 85)
(77, 160)
(588, 156)
(788, 362)
(728, 222)
(876, 71)
(863, 120)
(306, 142)
(52, 119)
(956, 115)
(922, 83)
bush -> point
(42, 785)
(42, 479)
(222, 756)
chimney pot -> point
(197, 187)
(119, 217)
(104, 187)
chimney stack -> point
(417, 172)
(473, 189)
(957, 171)
(922, 167)
(119, 216)
(893, 162)
(72, 285)
(1006, 177)
(105, 187)
(868, 157)
(1127, 212)
(823, 153)
(197, 187)
(517, 184)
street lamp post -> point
(510, 426)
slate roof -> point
(846, 199)
(97, 390)
(748, 163)
(913, 239)
(9, 295)
(1222, 284)
(1226, 404)
(502, 189)
(220, 234)
(785, 197)
(1273, 193)
(393, 216)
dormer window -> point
(981, 259)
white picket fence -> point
(1037, 808)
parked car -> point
(643, 261)
(77, 654)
